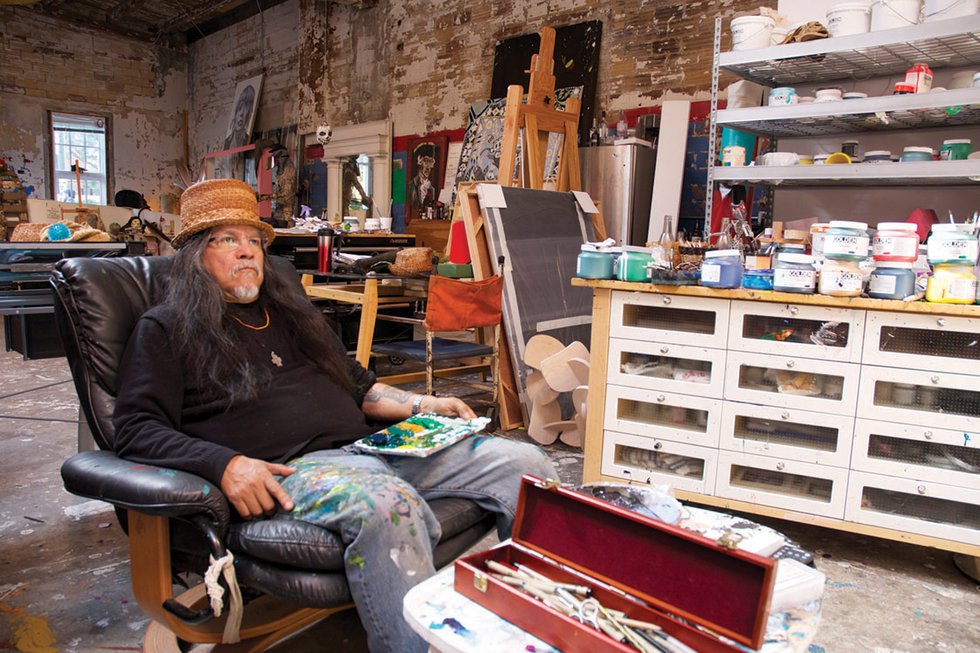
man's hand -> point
(448, 406)
(251, 487)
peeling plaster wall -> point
(50, 65)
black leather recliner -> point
(292, 572)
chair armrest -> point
(148, 489)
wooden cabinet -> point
(851, 413)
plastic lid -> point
(903, 87)
(943, 226)
(818, 227)
(850, 5)
(718, 253)
(844, 224)
(637, 248)
(899, 226)
(789, 257)
(917, 148)
(871, 153)
(881, 265)
(957, 141)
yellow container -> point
(952, 284)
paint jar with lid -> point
(794, 273)
(722, 268)
(846, 241)
(949, 243)
(633, 262)
(841, 279)
(892, 280)
(919, 77)
(896, 242)
(594, 263)
(952, 284)
(757, 279)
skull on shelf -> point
(323, 134)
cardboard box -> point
(654, 572)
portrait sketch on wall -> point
(426, 171)
(243, 112)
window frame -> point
(53, 173)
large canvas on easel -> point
(539, 235)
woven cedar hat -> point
(412, 262)
(215, 202)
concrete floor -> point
(64, 573)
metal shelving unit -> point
(927, 173)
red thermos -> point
(324, 256)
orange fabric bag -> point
(454, 305)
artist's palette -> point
(421, 435)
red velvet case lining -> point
(677, 570)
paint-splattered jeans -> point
(377, 506)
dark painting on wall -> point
(576, 64)
(426, 171)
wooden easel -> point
(80, 212)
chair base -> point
(281, 625)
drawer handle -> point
(658, 445)
(790, 364)
(780, 466)
(793, 310)
(934, 378)
(664, 349)
(661, 398)
(784, 414)
(927, 435)
(666, 300)
(941, 321)
(921, 489)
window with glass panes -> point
(81, 139)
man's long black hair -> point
(212, 351)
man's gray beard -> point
(246, 293)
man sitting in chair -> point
(236, 377)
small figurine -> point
(323, 134)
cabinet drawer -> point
(784, 433)
(648, 460)
(796, 486)
(798, 383)
(924, 342)
(675, 319)
(664, 415)
(917, 452)
(933, 399)
(660, 366)
(797, 330)
(914, 506)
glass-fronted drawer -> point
(915, 506)
(646, 460)
(784, 433)
(933, 399)
(799, 383)
(782, 483)
(676, 319)
(919, 452)
(797, 330)
(663, 415)
(661, 366)
(924, 342)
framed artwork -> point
(243, 111)
(426, 171)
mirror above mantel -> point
(368, 145)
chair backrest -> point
(453, 305)
(97, 303)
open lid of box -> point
(676, 570)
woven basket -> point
(412, 262)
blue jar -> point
(794, 273)
(594, 264)
(892, 281)
(846, 241)
(757, 279)
(722, 268)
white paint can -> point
(890, 14)
(849, 18)
(944, 9)
(751, 32)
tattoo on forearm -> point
(381, 391)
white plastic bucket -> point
(943, 9)
(849, 18)
(889, 14)
(778, 34)
(750, 32)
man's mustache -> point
(245, 265)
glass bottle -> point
(603, 129)
(594, 132)
(621, 125)
(663, 249)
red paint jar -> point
(897, 242)
(920, 77)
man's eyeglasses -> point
(234, 242)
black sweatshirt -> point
(163, 418)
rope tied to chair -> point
(216, 568)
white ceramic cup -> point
(384, 224)
(372, 224)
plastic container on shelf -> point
(917, 153)
(944, 9)
(950, 244)
(878, 156)
(722, 268)
(751, 32)
(919, 76)
(955, 149)
(846, 18)
(818, 231)
(841, 279)
(632, 263)
(895, 242)
(952, 284)
(593, 263)
(892, 280)
(757, 279)
(794, 273)
(889, 14)
(846, 241)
